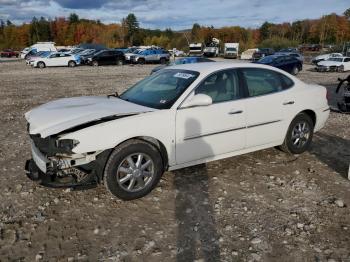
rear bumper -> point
(321, 117)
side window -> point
(221, 86)
(347, 60)
(263, 81)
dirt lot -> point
(263, 206)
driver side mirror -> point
(198, 100)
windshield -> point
(267, 59)
(232, 49)
(336, 59)
(87, 52)
(160, 90)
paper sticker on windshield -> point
(183, 75)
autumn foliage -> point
(329, 29)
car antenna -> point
(115, 94)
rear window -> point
(263, 81)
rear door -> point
(269, 99)
(208, 131)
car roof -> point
(208, 67)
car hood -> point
(329, 63)
(59, 115)
(326, 56)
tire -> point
(291, 143)
(95, 63)
(41, 65)
(340, 69)
(142, 61)
(72, 64)
(125, 185)
(162, 60)
(120, 62)
(295, 70)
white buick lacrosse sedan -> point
(180, 116)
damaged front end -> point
(54, 164)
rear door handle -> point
(235, 112)
(288, 103)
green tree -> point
(73, 18)
(347, 13)
(132, 27)
(196, 28)
(265, 30)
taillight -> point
(327, 94)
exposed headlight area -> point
(66, 144)
(50, 146)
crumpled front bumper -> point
(45, 172)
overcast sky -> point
(179, 14)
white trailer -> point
(39, 46)
(196, 49)
(231, 50)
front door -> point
(207, 131)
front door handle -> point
(235, 112)
(288, 103)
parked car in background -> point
(56, 59)
(262, 52)
(86, 54)
(182, 116)
(284, 62)
(339, 64)
(131, 52)
(107, 57)
(151, 56)
(324, 57)
(182, 61)
(31, 58)
(248, 54)
(293, 54)
(9, 53)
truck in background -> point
(231, 50)
(196, 49)
(213, 48)
(39, 46)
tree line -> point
(72, 30)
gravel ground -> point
(263, 206)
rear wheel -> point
(295, 70)
(133, 170)
(95, 63)
(299, 135)
(120, 62)
(41, 65)
(72, 64)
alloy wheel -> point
(300, 134)
(135, 172)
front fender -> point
(159, 125)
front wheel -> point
(133, 170)
(299, 135)
(95, 63)
(41, 65)
(72, 64)
(340, 69)
(162, 60)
